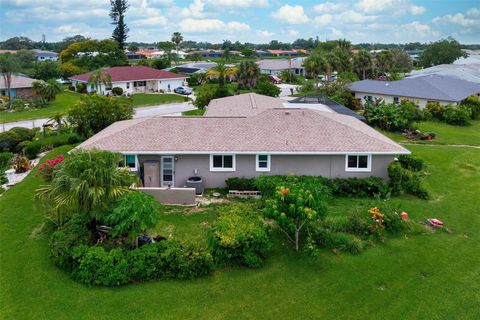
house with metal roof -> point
(42, 55)
(265, 137)
(134, 79)
(420, 90)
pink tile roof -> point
(273, 131)
(133, 73)
(242, 105)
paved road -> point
(163, 109)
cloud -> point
(239, 3)
(393, 7)
(473, 12)
(291, 14)
(419, 30)
(323, 20)
(158, 21)
(67, 29)
(265, 33)
(329, 7)
(468, 20)
(335, 32)
(293, 33)
(210, 25)
(346, 17)
(195, 9)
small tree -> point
(177, 38)
(117, 13)
(47, 90)
(267, 88)
(95, 112)
(294, 207)
(133, 214)
(8, 66)
(247, 74)
(99, 77)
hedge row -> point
(31, 149)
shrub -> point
(46, 169)
(5, 158)
(81, 87)
(133, 213)
(411, 162)
(404, 180)
(267, 185)
(9, 140)
(71, 87)
(457, 115)
(239, 237)
(434, 110)
(355, 187)
(392, 117)
(241, 184)
(267, 88)
(472, 103)
(64, 239)
(117, 91)
(356, 224)
(31, 149)
(96, 266)
(21, 164)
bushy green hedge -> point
(405, 180)
(392, 117)
(267, 185)
(33, 148)
(359, 187)
(337, 240)
(9, 140)
(239, 237)
(411, 162)
(457, 115)
(241, 184)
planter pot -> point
(10, 176)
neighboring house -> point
(20, 87)
(276, 66)
(314, 100)
(41, 55)
(166, 151)
(288, 53)
(420, 90)
(261, 53)
(146, 53)
(135, 56)
(211, 53)
(468, 72)
(135, 79)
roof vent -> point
(287, 112)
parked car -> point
(183, 90)
(274, 79)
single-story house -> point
(276, 66)
(135, 56)
(468, 72)
(420, 90)
(21, 87)
(41, 55)
(261, 53)
(288, 53)
(166, 151)
(135, 79)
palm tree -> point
(247, 74)
(177, 38)
(341, 60)
(99, 77)
(8, 66)
(314, 65)
(384, 61)
(57, 120)
(344, 44)
(362, 62)
(85, 183)
(221, 71)
(47, 90)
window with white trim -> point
(222, 162)
(358, 162)
(129, 161)
(262, 162)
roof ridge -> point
(252, 100)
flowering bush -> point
(46, 168)
(377, 216)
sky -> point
(256, 21)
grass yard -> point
(146, 99)
(195, 112)
(66, 99)
(432, 276)
(61, 104)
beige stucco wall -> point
(389, 99)
(331, 166)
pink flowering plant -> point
(46, 168)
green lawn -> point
(432, 276)
(195, 112)
(145, 99)
(61, 104)
(66, 99)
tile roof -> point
(133, 73)
(18, 81)
(273, 131)
(248, 104)
(432, 87)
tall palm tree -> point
(8, 66)
(344, 44)
(221, 71)
(99, 77)
(314, 65)
(384, 61)
(51, 89)
(177, 38)
(362, 62)
(247, 74)
(341, 60)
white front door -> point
(168, 171)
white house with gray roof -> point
(166, 151)
(420, 90)
(276, 66)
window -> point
(128, 85)
(395, 100)
(129, 161)
(222, 162)
(263, 162)
(358, 162)
(139, 83)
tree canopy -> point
(444, 51)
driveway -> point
(140, 112)
(287, 89)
